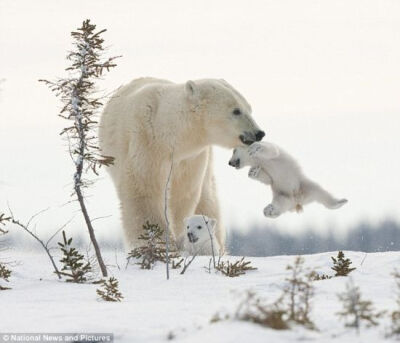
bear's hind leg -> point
(209, 205)
(314, 192)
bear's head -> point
(240, 158)
(225, 113)
(199, 228)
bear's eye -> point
(187, 227)
(237, 112)
(199, 227)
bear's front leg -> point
(186, 187)
(257, 173)
(138, 208)
(141, 196)
(263, 151)
(209, 205)
(279, 205)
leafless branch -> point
(211, 240)
(60, 229)
(102, 217)
(25, 227)
(166, 193)
(187, 263)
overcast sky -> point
(323, 79)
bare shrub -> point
(356, 310)
(395, 315)
(257, 311)
(298, 293)
(27, 229)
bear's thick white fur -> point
(151, 122)
(200, 235)
(290, 187)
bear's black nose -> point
(260, 135)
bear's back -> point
(138, 84)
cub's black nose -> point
(235, 163)
(260, 135)
(192, 238)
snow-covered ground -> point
(154, 307)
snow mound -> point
(154, 308)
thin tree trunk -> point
(91, 231)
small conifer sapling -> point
(154, 248)
(109, 290)
(75, 268)
(341, 265)
(5, 273)
(234, 269)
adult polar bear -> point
(149, 121)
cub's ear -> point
(212, 222)
(191, 89)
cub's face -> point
(227, 114)
(198, 229)
(240, 157)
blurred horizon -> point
(257, 241)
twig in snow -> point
(211, 240)
(365, 256)
(187, 263)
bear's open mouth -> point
(246, 140)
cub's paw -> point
(254, 149)
(254, 171)
(271, 212)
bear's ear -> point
(191, 89)
(212, 222)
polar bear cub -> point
(290, 187)
(200, 233)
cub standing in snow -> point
(200, 233)
(290, 187)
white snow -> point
(153, 307)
